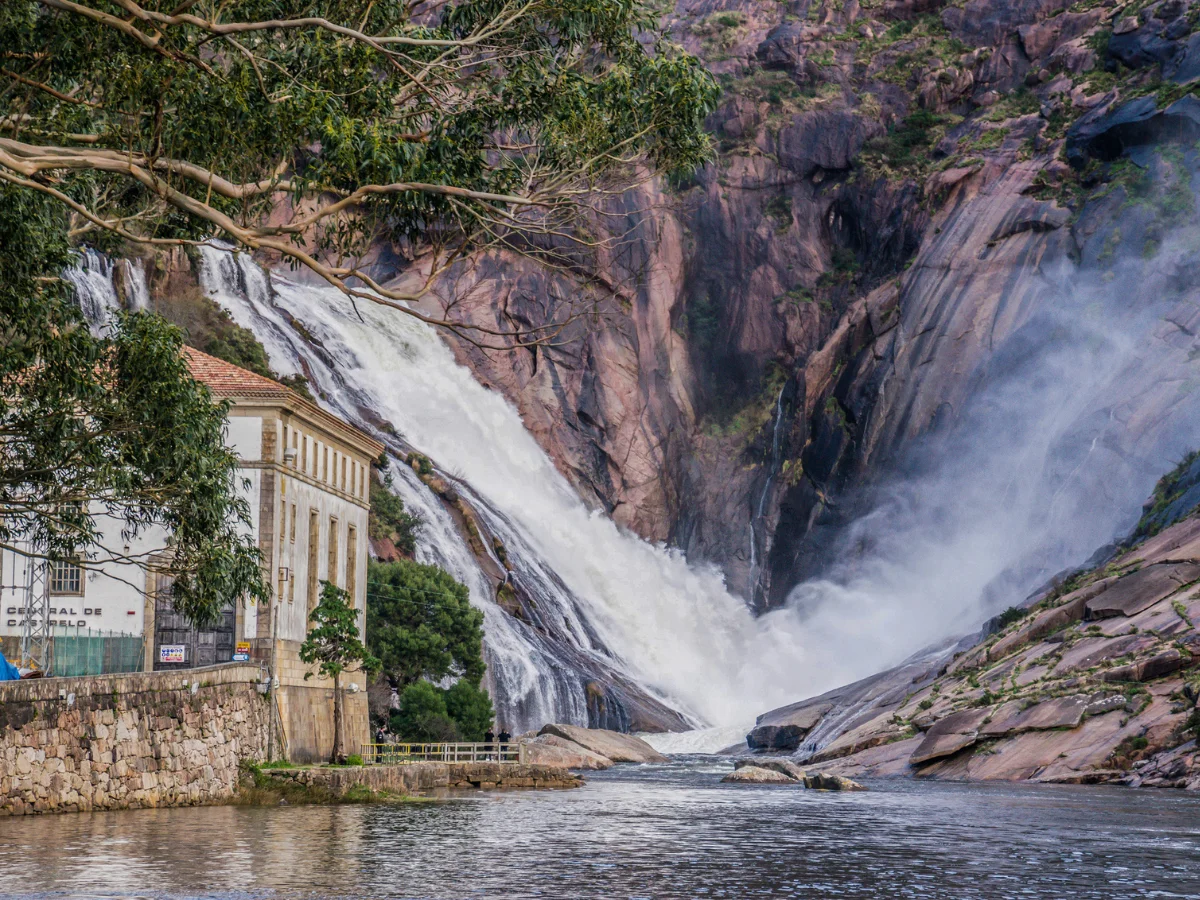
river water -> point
(669, 831)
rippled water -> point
(635, 832)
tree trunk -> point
(337, 719)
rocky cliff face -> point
(890, 192)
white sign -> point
(172, 653)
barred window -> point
(66, 577)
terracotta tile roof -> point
(227, 380)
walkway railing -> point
(398, 754)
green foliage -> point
(703, 320)
(112, 422)
(1169, 489)
(779, 210)
(180, 121)
(354, 760)
(421, 624)
(906, 144)
(420, 463)
(471, 709)
(423, 716)
(333, 644)
(389, 519)
(1011, 615)
(208, 327)
(462, 712)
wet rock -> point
(949, 735)
(1142, 589)
(551, 750)
(757, 775)
(784, 729)
(823, 781)
(611, 744)
(1106, 134)
(781, 765)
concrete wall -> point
(128, 741)
(420, 777)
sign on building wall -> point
(172, 653)
(241, 652)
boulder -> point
(821, 781)
(551, 750)
(1142, 589)
(776, 764)
(756, 775)
(949, 735)
(785, 728)
(611, 744)
(1162, 664)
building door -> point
(179, 645)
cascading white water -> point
(642, 609)
(92, 278)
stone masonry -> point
(129, 741)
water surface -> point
(668, 831)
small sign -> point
(172, 653)
(242, 652)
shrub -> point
(1010, 615)
(390, 520)
(471, 709)
(354, 760)
(422, 715)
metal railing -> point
(399, 754)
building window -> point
(325, 465)
(292, 530)
(342, 484)
(66, 577)
(304, 455)
(332, 571)
(352, 563)
(314, 539)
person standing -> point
(488, 739)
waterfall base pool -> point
(669, 831)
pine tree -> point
(333, 646)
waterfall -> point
(772, 469)
(92, 278)
(605, 599)
(95, 282)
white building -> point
(309, 482)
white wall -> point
(113, 593)
(113, 596)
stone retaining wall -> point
(128, 741)
(420, 777)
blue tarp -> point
(8, 672)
